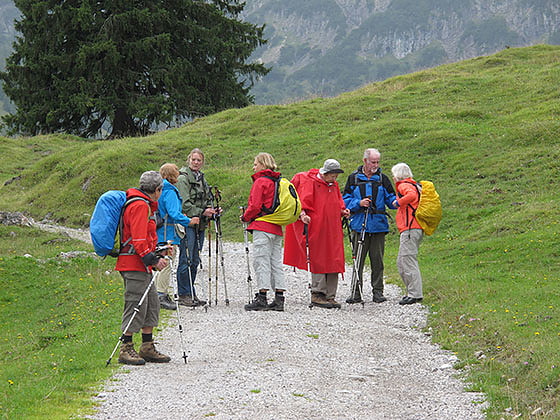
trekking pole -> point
(221, 251)
(307, 259)
(197, 231)
(219, 241)
(173, 262)
(354, 281)
(136, 310)
(209, 263)
(245, 235)
(358, 264)
(217, 261)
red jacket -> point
(138, 224)
(408, 197)
(324, 204)
(262, 193)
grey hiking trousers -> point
(407, 261)
(267, 261)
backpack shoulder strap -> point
(409, 223)
(386, 182)
(417, 186)
(350, 182)
(121, 223)
(276, 200)
(374, 191)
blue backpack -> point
(106, 221)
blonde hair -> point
(193, 151)
(401, 171)
(169, 171)
(266, 160)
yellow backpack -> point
(429, 212)
(286, 206)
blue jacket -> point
(170, 205)
(380, 189)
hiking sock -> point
(262, 294)
(279, 293)
(126, 339)
(146, 338)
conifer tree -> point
(83, 66)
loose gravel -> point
(360, 362)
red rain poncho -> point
(324, 204)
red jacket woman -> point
(267, 236)
(262, 194)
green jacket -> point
(196, 195)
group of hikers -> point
(184, 203)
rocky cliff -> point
(8, 12)
(324, 47)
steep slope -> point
(439, 120)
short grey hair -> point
(401, 171)
(150, 181)
(370, 152)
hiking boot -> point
(258, 304)
(128, 355)
(319, 299)
(378, 296)
(187, 300)
(334, 303)
(165, 302)
(149, 353)
(354, 299)
(407, 300)
(277, 304)
(199, 302)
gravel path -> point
(370, 362)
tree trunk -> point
(123, 125)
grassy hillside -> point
(485, 131)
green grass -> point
(485, 131)
(21, 153)
(59, 318)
